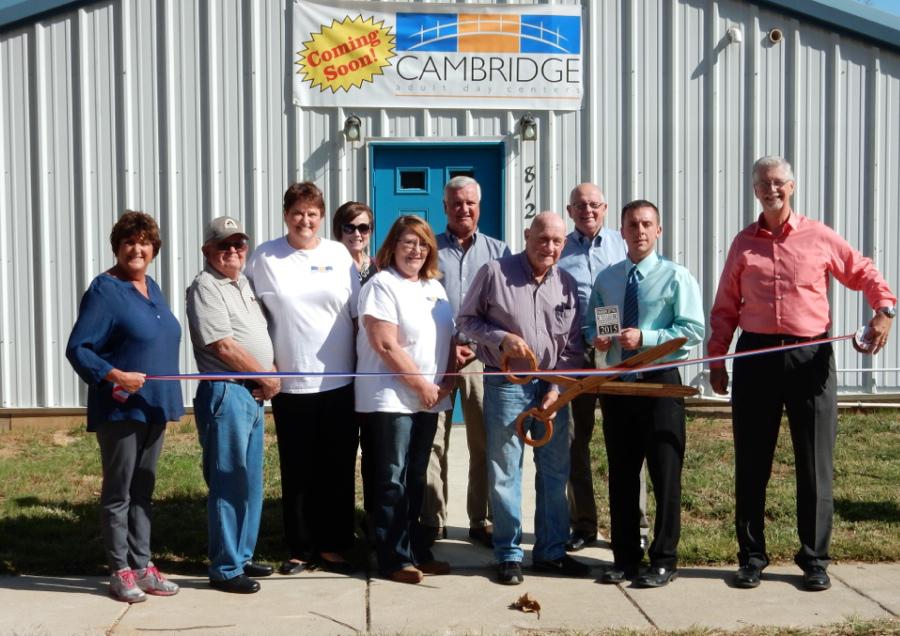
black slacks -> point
(802, 382)
(635, 429)
(317, 435)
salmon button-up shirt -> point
(779, 284)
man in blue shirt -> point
(462, 250)
(590, 248)
(658, 300)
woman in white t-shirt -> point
(406, 327)
(310, 287)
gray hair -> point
(772, 161)
(459, 182)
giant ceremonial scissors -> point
(595, 384)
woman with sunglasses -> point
(352, 226)
(309, 287)
(406, 328)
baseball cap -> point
(221, 228)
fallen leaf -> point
(527, 603)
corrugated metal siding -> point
(184, 109)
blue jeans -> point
(503, 402)
(230, 426)
(400, 446)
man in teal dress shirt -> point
(665, 304)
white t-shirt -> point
(424, 319)
(310, 297)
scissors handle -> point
(518, 379)
(538, 414)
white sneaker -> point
(152, 582)
(122, 587)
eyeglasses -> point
(776, 183)
(584, 205)
(239, 245)
(349, 228)
(412, 245)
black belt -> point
(780, 339)
(250, 385)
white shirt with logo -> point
(424, 320)
(310, 298)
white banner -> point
(423, 55)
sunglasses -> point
(239, 245)
(349, 228)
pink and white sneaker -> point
(152, 582)
(123, 587)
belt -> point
(780, 340)
(250, 385)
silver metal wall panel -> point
(183, 108)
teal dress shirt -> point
(669, 305)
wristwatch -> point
(890, 312)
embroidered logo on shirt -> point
(320, 268)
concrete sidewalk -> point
(465, 602)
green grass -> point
(50, 482)
(866, 492)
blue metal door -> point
(409, 178)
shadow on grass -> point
(852, 510)
(47, 537)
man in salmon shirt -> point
(775, 288)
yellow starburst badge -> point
(346, 54)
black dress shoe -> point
(618, 574)
(655, 577)
(290, 567)
(816, 579)
(483, 535)
(240, 584)
(747, 577)
(565, 566)
(257, 570)
(510, 573)
(579, 541)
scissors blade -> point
(647, 389)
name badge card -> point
(608, 323)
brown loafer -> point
(434, 567)
(407, 574)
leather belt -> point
(780, 340)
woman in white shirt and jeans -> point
(406, 327)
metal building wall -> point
(182, 108)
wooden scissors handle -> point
(518, 379)
(544, 416)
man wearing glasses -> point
(462, 250)
(590, 248)
(229, 334)
(775, 288)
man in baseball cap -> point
(229, 334)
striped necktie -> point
(630, 312)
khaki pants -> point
(434, 509)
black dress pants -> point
(635, 429)
(317, 435)
(801, 381)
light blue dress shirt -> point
(669, 304)
(459, 267)
(585, 257)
